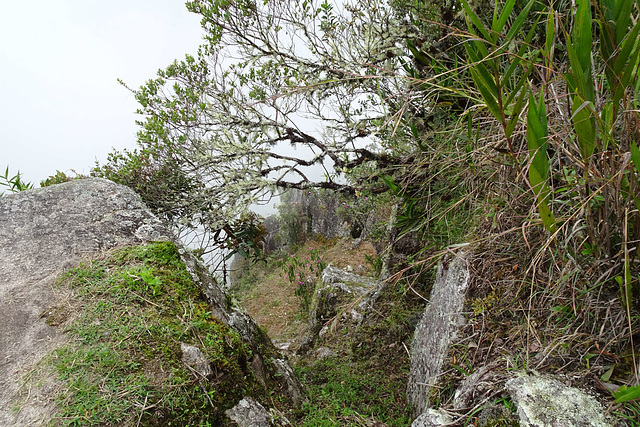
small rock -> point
(249, 413)
(325, 352)
(194, 358)
(283, 345)
(432, 418)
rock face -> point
(42, 232)
(45, 231)
(437, 329)
(545, 402)
(337, 288)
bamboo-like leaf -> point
(475, 20)
(622, 18)
(515, 114)
(504, 15)
(516, 59)
(489, 95)
(582, 36)
(635, 156)
(577, 75)
(585, 127)
(551, 34)
(537, 135)
(581, 83)
(523, 80)
(517, 24)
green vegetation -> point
(508, 128)
(347, 393)
(14, 183)
(304, 273)
(127, 318)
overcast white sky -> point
(61, 107)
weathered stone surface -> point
(324, 353)
(545, 402)
(337, 276)
(432, 418)
(337, 287)
(42, 232)
(193, 357)
(295, 389)
(437, 329)
(318, 213)
(249, 413)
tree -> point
(279, 94)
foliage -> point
(292, 222)
(181, 199)
(216, 125)
(14, 183)
(58, 178)
(304, 274)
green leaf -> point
(607, 375)
(475, 20)
(391, 184)
(515, 114)
(582, 36)
(504, 15)
(517, 24)
(551, 33)
(625, 394)
(635, 156)
(585, 127)
(537, 135)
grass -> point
(343, 393)
(128, 316)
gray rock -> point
(432, 418)
(545, 402)
(338, 287)
(249, 413)
(42, 232)
(437, 329)
(324, 353)
(294, 387)
(334, 275)
(194, 358)
(45, 231)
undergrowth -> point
(128, 317)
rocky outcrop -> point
(337, 288)
(437, 329)
(542, 401)
(318, 213)
(45, 231)
(42, 232)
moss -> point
(124, 366)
